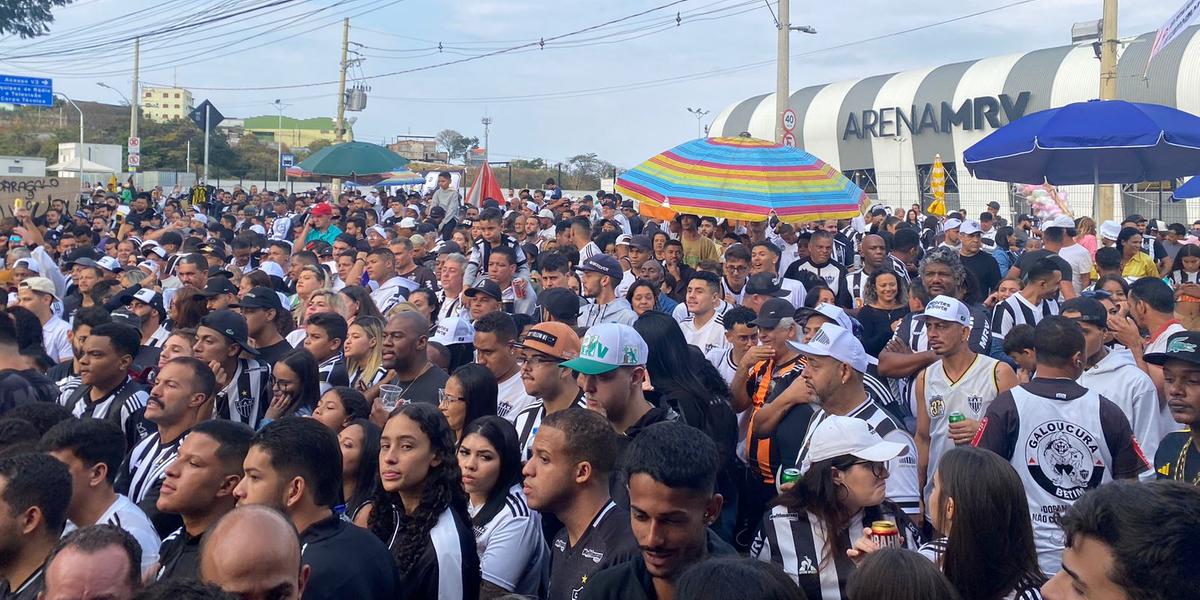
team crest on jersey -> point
(806, 567)
(244, 404)
(1064, 459)
(937, 406)
(976, 403)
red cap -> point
(322, 210)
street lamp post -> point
(78, 151)
(279, 106)
(699, 117)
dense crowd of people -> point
(262, 395)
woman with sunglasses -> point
(820, 525)
(513, 557)
(470, 393)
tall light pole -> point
(699, 116)
(487, 126)
(900, 165)
(133, 102)
(79, 151)
(1108, 91)
(782, 87)
(279, 106)
(119, 92)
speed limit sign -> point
(789, 120)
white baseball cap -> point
(945, 308)
(545, 214)
(109, 264)
(271, 268)
(150, 266)
(831, 312)
(951, 224)
(453, 330)
(969, 226)
(839, 344)
(28, 264)
(1062, 221)
(623, 239)
(838, 436)
(378, 230)
(1109, 230)
(408, 222)
(608, 346)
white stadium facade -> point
(884, 131)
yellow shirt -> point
(1140, 265)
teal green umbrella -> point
(351, 159)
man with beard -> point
(600, 275)
(873, 250)
(404, 351)
(147, 304)
(181, 397)
(294, 465)
(671, 469)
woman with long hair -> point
(359, 441)
(841, 492)
(358, 303)
(187, 308)
(364, 353)
(978, 505)
(513, 556)
(295, 386)
(1085, 234)
(885, 298)
(642, 296)
(913, 219)
(1185, 268)
(1134, 262)
(318, 301)
(1005, 255)
(470, 393)
(339, 406)
(897, 574)
(426, 302)
(310, 279)
(1117, 288)
(420, 509)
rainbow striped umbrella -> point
(741, 178)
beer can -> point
(789, 476)
(885, 534)
(956, 417)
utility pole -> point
(699, 116)
(487, 127)
(781, 69)
(1108, 91)
(340, 128)
(133, 98)
(207, 108)
(279, 106)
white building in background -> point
(884, 131)
(97, 159)
(22, 166)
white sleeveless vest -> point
(970, 395)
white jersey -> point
(1061, 453)
(512, 551)
(706, 337)
(970, 395)
(125, 514)
(722, 359)
(512, 398)
(1016, 310)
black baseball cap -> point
(486, 287)
(259, 297)
(602, 264)
(641, 241)
(217, 286)
(561, 303)
(1134, 218)
(994, 204)
(766, 284)
(1184, 346)
(773, 311)
(231, 325)
(1090, 311)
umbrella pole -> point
(1095, 189)
(1160, 186)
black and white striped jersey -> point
(332, 373)
(856, 282)
(365, 381)
(934, 550)
(530, 419)
(1016, 310)
(512, 550)
(124, 405)
(899, 267)
(449, 563)
(146, 466)
(158, 338)
(246, 397)
(1179, 278)
(815, 558)
(902, 481)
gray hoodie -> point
(1118, 378)
(617, 311)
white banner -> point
(1173, 27)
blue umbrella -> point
(1187, 191)
(1100, 141)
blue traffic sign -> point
(28, 91)
(287, 160)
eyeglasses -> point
(282, 382)
(535, 361)
(878, 469)
(446, 399)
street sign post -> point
(135, 160)
(135, 145)
(26, 91)
(789, 139)
(789, 120)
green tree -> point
(521, 163)
(315, 145)
(456, 144)
(586, 170)
(28, 18)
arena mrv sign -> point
(973, 114)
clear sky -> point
(573, 96)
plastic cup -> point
(389, 396)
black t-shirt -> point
(425, 387)
(607, 541)
(1170, 456)
(346, 562)
(1027, 259)
(271, 354)
(631, 581)
(986, 270)
(179, 557)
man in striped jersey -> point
(1036, 301)
(906, 247)
(326, 332)
(147, 304)
(820, 263)
(181, 397)
(836, 364)
(107, 391)
(873, 251)
(555, 389)
(243, 384)
(66, 374)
